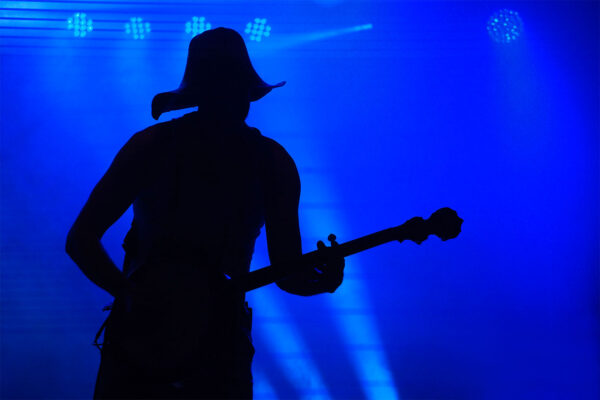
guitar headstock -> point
(444, 223)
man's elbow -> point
(71, 242)
(76, 238)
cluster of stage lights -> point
(80, 24)
(138, 29)
(505, 26)
(258, 29)
(197, 25)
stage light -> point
(298, 39)
(353, 311)
(258, 29)
(80, 24)
(366, 351)
(505, 26)
(137, 27)
(293, 353)
(263, 389)
(197, 25)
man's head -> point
(218, 74)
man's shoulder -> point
(165, 127)
(156, 134)
(275, 151)
(280, 165)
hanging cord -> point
(98, 345)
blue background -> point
(422, 111)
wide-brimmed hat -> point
(217, 57)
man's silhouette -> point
(202, 186)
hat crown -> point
(217, 56)
(219, 43)
(218, 61)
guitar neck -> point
(444, 223)
(368, 242)
(267, 275)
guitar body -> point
(177, 317)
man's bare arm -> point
(111, 197)
(282, 226)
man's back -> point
(200, 195)
(203, 194)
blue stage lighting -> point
(137, 27)
(197, 25)
(505, 26)
(258, 29)
(294, 354)
(80, 24)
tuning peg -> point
(332, 238)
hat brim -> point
(181, 98)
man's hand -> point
(331, 273)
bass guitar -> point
(190, 310)
(444, 223)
